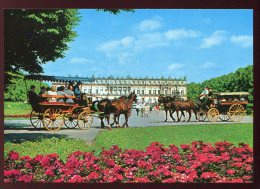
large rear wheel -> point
(236, 112)
(53, 119)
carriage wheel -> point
(236, 112)
(70, 120)
(53, 119)
(224, 117)
(201, 115)
(36, 119)
(213, 114)
(85, 120)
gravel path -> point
(21, 130)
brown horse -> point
(182, 106)
(102, 106)
(120, 106)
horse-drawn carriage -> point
(224, 106)
(53, 115)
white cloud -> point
(180, 34)
(215, 39)
(112, 45)
(175, 66)
(79, 60)
(149, 25)
(242, 40)
(209, 65)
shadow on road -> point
(33, 137)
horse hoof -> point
(165, 121)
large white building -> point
(148, 89)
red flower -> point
(93, 175)
(207, 175)
(181, 168)
(49, 173)
(13, 155)
(26, 178)
(185, 146)
(142, 179)
(45, 161)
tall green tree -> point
(34, 37)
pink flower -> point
(26, 178)
(231, 172)
(75, 178)
(207, 175)
(93, 175)
(169, 180)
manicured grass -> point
(16, 108)
(61, 146)
(138, 138)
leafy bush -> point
(196, 162)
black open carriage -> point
(225, 106)
(53, 115)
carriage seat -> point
(55, 96)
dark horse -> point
(120, 106)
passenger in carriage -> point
(33, 97)
(70, 93)
(52, 91)
(76, 90)
(62, 93)
(43, 91)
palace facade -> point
(147, 89)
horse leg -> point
(102, 121)
(189, 115)
(108, 121)
(183, 114)
(115, 116)
(166, 112)
(177, 111)
(171, 114)
(127, 115)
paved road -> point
(19, 130)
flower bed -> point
(197, 162)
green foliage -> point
(34, 37)
(16, 91)
(116, 11)
(240, 80)
(138, 138)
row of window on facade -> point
(140, 92)
(140, 82)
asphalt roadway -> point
(22, 130)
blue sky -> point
(198, 44)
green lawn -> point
(139, 138)
(16, 108)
